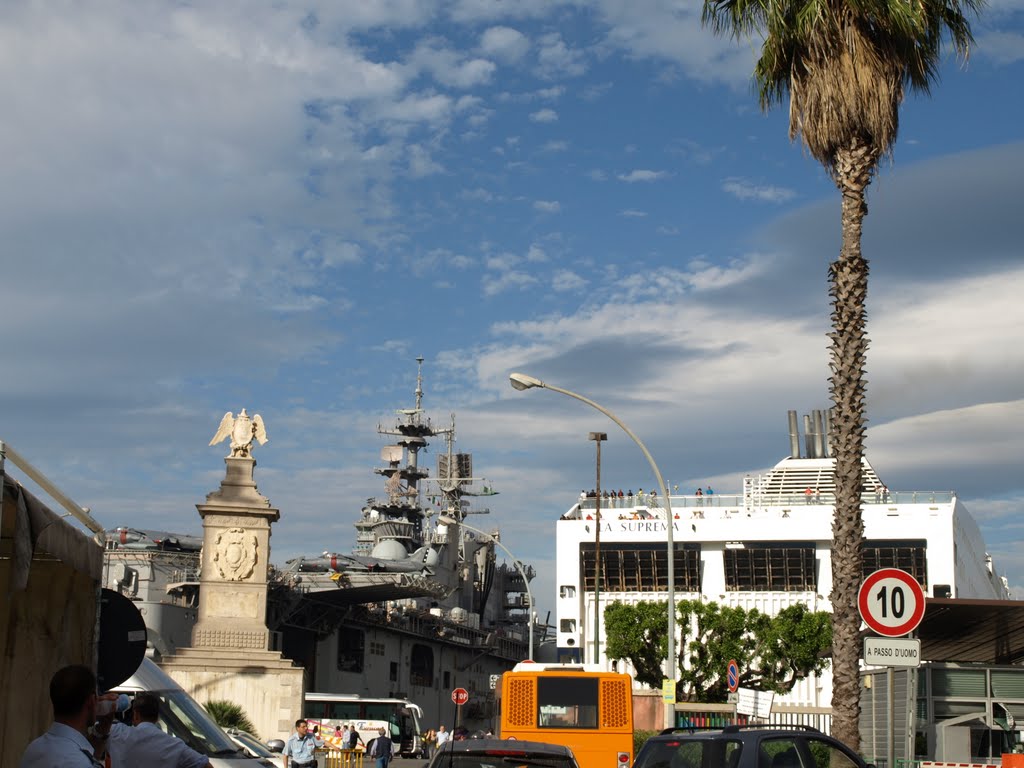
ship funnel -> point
(794, 436)
(808, 437)
(819, 437)
(828, 433)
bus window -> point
(567, 702)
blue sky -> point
(210, 206)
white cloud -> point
(544, 116)
(642, 175)
(564, 281)
(536, 254)
(504, 43)
(450, 67)
(555, 59)
(555, 146)
(597, 175)
(745, 189)
(495, 284)
(547, 206)
(421, 163)
(632, 213)
(1002, 46)
(478, 193)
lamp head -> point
(447, 520)
(521, 381)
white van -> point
(182, 717)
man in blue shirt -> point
(301, 747)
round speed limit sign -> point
(891, 602)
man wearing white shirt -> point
(145, 745)
(442, 736)
(65, 745)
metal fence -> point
(340, 758)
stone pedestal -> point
(236, 547)
(230, 658)
(267, 686)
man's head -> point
(301, 726)
(145, 708)
(73, 694)
(380, 731)
(440, 729)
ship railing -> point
(651, 506)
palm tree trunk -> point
(848, 277)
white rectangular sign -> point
(756, 703)
(892, 652)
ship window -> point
(910, 555)
(350, 649)
(641, 567)
(770, 567)
(421, 666)
(567, 590)
(393, 674)
(567, 625)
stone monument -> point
(231, 657)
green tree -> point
(227, 714)
(638, 633)
(773, 653)
(845, 66)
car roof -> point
(734, 731)
(518, 745)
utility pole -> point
(598, 438)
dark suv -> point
(746, 746)
(499, 753)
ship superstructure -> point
(767, 546)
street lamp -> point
(598, 438)
(449, 520)
(521, 381)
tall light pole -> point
(598, 438)
(449, 520)
(521, 381)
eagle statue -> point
(242, 430)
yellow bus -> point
(578, 706)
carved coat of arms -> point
(235, 554)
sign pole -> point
(891, 751)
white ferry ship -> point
(767, 546)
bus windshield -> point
(567, 703)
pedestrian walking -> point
(380, 751)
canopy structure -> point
(50, 579)
(983, 631)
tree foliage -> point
(227, 714)
(773, 653)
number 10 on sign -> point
(891, 602)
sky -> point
(279, 206)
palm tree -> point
(227, 714)
(846, 66)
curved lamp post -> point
(521, 381)
(449, 520)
